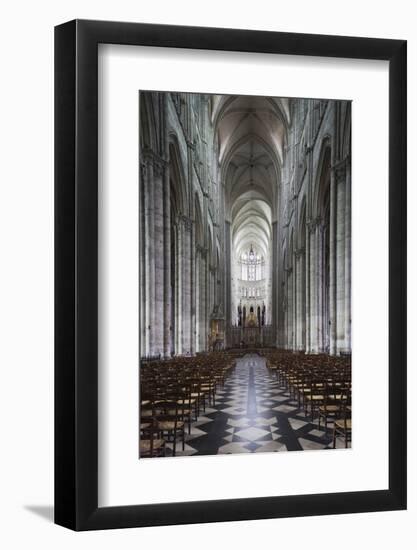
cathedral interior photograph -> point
(245, 274)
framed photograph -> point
(230, 330)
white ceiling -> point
(251, 135)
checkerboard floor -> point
(253, 414)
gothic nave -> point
(245, 273)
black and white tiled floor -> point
(253, 414)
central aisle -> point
(253, 414)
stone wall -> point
(315, 232)
(181, 245)
(186, 234)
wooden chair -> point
(182, 396)
(208, 386)
(169, 422)
(302, 387)
(186, 400)
(343, 426)
(198, 394)
(151, 444)
(331, 407)
(315, 396)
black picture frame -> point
(76, 272)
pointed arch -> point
(322, 211)
(347, 130)
(178, 188)
(147, 122)
(322, 180)
(301, 232)
(198, 216)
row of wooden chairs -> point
(321, 384)
(173, 393)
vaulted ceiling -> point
(251, 134)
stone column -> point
(290, 308)
(178, 288)
(144, 345)
(340, 174)
(193, 314)
(185, 227)
(333, 263)
(275, 283)
(284, 342)
(313, 287)
(197, 300)
(157, 327)
(307, 292)
(348, 259)
(294, 302)
(322, 320)
(281, 295)
(200, 299)
(149, 257)
(206, 281)
(297, 294)
(300, 297)
(228, 284)
(167, 267)
(204, 309)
